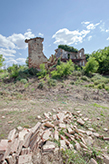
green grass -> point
(99, 106)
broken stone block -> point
(89, 141)
(77, 146)
(49, 146)
(83, 145)
(49, 125)
(80, 121)
(91, 129)
(61, 116)
(105, 129)
(81, 131)
(23, 133)
(14, 145)
(23, 159)
(3, 116)
(46, 115)
(63, 126)
(63, 138)
(86, 119)
(39, 117)
(106, 159)
(70, 131)
(11, 135)
(19, 128)
(92, 161)
(89, 133)
(56, 135)
(3, 145)
(46, 135)
(36, 127)
(71, 146)
(78, 112)
(54, 117)
(4, 162)
(106, 138)
(62, 145)
(11, 159)
(27, 139)
(25, 151)
(96, 135)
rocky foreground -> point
(45, 141)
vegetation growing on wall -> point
(68, 48)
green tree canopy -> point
(91, 66)
(102, 57)
(1, 60)
(68, 48)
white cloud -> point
(7, 52)
(85, 22)
(10, 61)
(21, 60)
(10, 44)
(108, 38)
(40, 34)
(92, 26)
(89, 38)
(64, 36)
(102, 27)
(4, 42)
(107, 30)
(19, 39)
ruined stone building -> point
(78, 58)
(35, 50)
(36, 56)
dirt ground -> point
(20, 104)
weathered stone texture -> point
(35, 50)
(77, 57)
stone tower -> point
(35, 50)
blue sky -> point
(78, 23)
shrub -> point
(72, 82)
(91, 85)
(31, 71)
(41, 85)
(101, 86)
(63, 70)
(52, 82)
(91, 66)
(107, 88)
(77, 73)
(42, 71)
(85, 78)
(24, 81)
(96, 82)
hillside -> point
(22, 101)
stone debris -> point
(55, 132)
(92, 161)
(80, 121)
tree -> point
(102, 57)
(27, 62)
(91, 66)
(1, 60)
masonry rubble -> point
(62, 127)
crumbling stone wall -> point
(77, 57)
(35, 50)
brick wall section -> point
(78, 58)
(35, 50)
